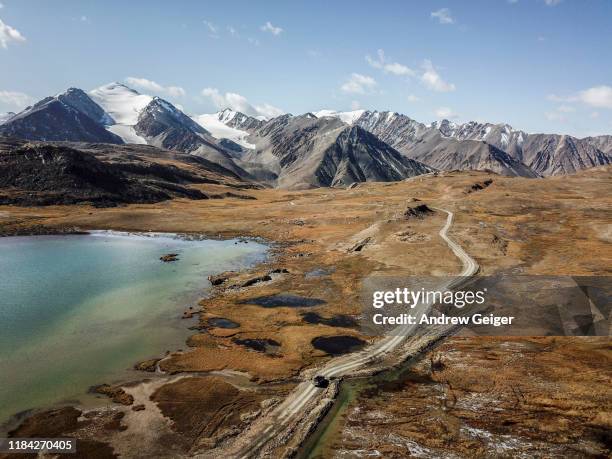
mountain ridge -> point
(545, 154)
(324, 148)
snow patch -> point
(4, 117)
(120, 102)
(345, 117)
(215, 124)
(127, 133)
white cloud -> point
(149, 85)
(84, 19)
(512, 2)
(268, 27)
(555, 116)
(1, 6)
(175, 91)
(432, 79)
(240, 103)
(9, 34)
(445, 113)
(211, 27)
(388, 67)
(355, 105)
(358, 84)
(443, 15)
(412, 98)
(565, 109)
(597, 96)
(253, 41)
(560, 113)
(269, 111)
(15, 99)
(552, 2)
(594, 115)
(233, 32)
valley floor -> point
(326, 242)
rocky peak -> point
(79, 100)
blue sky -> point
(540, 65)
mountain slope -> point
(38, 173)
(240, 121)
(165, 126)
(123, 106)
(552, 154)
(547, 154)
(227, 125)
(451, 154)
(4, 117)
(459, 145)
(307, 152)
(70, 116)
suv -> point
(320, 381)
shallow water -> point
(337, 345)
(221, 322)
(284, 300)
(339, 320)
(320, 443)
(80, 310)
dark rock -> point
(480, 185)
(256, 280)
(147, 365)
(358, 247)
(115, 393)
(420, 211)
(218, 279)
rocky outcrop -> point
(115, 393)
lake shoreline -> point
(89, 400)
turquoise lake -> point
(80, 310)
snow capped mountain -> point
(123, 104)
(241, 121)
(218, 125)
(4, 117)
(69, 116)
(347, 117)
(325, 148)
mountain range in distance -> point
(325, 148)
